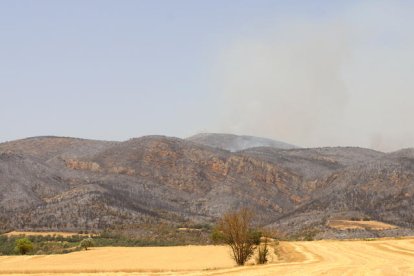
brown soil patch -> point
(368, 225)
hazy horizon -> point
(312, 74)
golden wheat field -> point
(378, 257)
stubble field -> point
(379, 257)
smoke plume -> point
(342, 82)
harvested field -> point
(379, 257)
(28, 233)
(127, 259)
(368, 225)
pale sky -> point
(310, 73)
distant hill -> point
(235, 143)
(59, 183)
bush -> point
(255, 236)
(74, 238)
(86, 243)
(23, 246)
(236, 230)
(217, 236)
(309, 236)
(263, 253)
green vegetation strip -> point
(44, 245)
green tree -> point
(86, 243)
(23, 246)
(236, 230)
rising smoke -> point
(344, 82)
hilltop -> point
(235, 143)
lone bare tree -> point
(236, 230)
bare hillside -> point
(55, 183)
(235, 143)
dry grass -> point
(369, 225)
(28, 233)
(379, 257)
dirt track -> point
(381, 257)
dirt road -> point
(380, 257)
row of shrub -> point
(35, 245)
(60, 245)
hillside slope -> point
(235, 143)
(60, 183)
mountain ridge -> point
(76, 184)
(234, 143)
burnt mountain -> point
(235, 143)
(77, 184)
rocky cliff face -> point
(75, 184)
